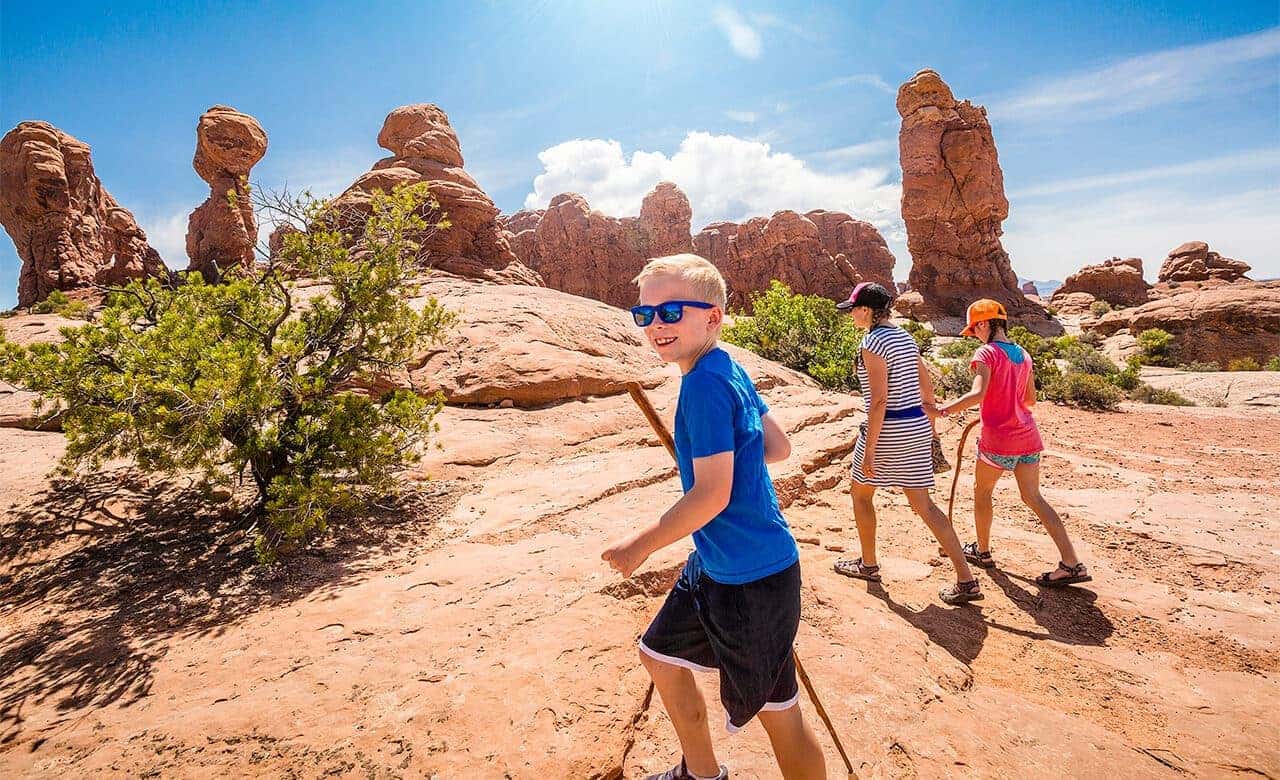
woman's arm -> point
(776, 444)
(927, 396)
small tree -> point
(804, 332)
(1155, 346)
(243, 377)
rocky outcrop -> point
(1194, 262)
(68, 230)
(222, 231)
(1213, 325)
(425, 148)
(1118, 282)
(583, 252)
(819, 253)
(1029, 288)
(953, 204)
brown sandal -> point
(961, 592)
(858, 570)
(1075, 574)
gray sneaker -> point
(682, 773)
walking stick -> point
(650, 414)
(955, 480)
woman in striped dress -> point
(894, 447)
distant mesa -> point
(953, 204)
(69, 232)
(222, 231)
(1194, 262)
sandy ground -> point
(471, 631)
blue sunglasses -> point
(669, 312)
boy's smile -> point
(685, 341)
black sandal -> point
(961, 592)
(1075, 574)
(975, 556)
(858, 570)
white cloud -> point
(777, 22)
(1233, 65)
(167, 234)
(1050, 239)
(1250, 161)
(863, 79)
(725, 177)
(746, 117)
(742, 37)
(863, 151)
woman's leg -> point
(985, 478)
(941, 528)
(864, 515)
(1028, 476)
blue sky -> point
(1122, 128)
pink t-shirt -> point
(1007, 425)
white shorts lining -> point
(674, 661)
(769, 706)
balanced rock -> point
(953, 204)
(425, 148)
(222, 231)
(583, 252)
(68, 230)
(1194, 262)
(1118, 282)
(820, 253)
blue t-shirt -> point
(719, 410)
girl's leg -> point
(864, 515)
(942, 530)
(1028, 476)
(984, 484)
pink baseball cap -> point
(872, 294)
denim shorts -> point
(1007, 462)
(745, 632)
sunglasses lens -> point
(643, 315)
(670, 312)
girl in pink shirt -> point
(1004, 383)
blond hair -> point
(705, 279)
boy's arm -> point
(712, 485)
(776, 444)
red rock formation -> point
(1194, 262)
(1116, 281)
(68, 230)
(221, 234)
(820, 253)
(425, 149)
(1215, 324)
(584, 252)
(1029, 288)
(953, 204)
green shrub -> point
(1091, 337)
(1087, 391)
(1244, 364)
(1273, 364)
(956, 380)
(962, 349)
(1147, 394)
(804, 332)
(1086, 359)
(922, 335)
(1156, 347)
(242, 377)
(1129, 379)
(1099, 308)
(1199, 366)
(58, 303)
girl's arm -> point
(981, 378)
(1030, 396)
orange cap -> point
(981, 311)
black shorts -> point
(744, 631)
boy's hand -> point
(626, 556)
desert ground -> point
(469, 629)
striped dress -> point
(904, 456)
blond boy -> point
(736, 607)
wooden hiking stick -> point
(660, 428)
(955, 480)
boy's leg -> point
(941, 528)
(864, 516)
(1028, 476)
(794, 744)
(688, 712)
(985, 478)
